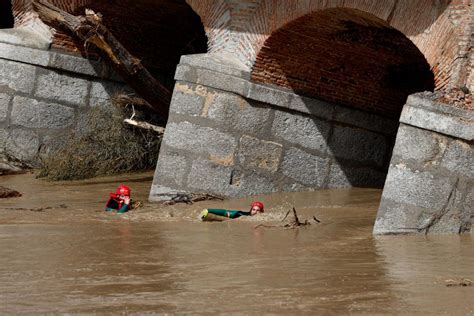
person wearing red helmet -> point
(120, 200)
(215, 214)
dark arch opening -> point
(6, 14)
(156, 32)
(347, 57)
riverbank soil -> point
(61, 253)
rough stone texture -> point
(23, 37)
(250, 184)
(304, 131)
(3, 139)
(170, 169)
(17, 76)
(4, 101)
(23, 55)
(305, 168)
(235, 112)
(188, 99)
(201, 140)
(23, 144)
(358, 145)
(318, 108)
(31, 113)
(255, 153)
(418, 144)
(424, 113)
(249, 144)
(62, 88)
(269, 95)
(102, 92)
(459, 159)
(431, 177)
(417, 188)
(206, 176)
(38, 106)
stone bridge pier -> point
(229, 136)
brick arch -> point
(150, 30)
(345, 56)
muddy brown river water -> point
(61, 253)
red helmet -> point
(259, 204)
(123, 190)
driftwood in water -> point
(190, 198)
(89, 28)
(145, 125)
(8, 193)
(295, 223)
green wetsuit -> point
(227, 213)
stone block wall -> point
(228, 136)
(430, 183)
(43, 95)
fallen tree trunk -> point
(89, 28)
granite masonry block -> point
(304, 131)
(62, 88)
(459, 159)
(188, 99)
(417, 188)
(269, 95)
(222, 81)
(206, 176)
(430, 116)
(17, 76)
(305, 168)
(234, 111)
(311, 106)
(78, 64)
(185, 73)
(249, 184)
(170, 170)
(398, 218)
(215, 63)
(24, 54)
(347, 176)
(202, 140)
(4, 101)
(259, 154)
(36, 114)
(23, 144)
(419, 145)
(358, 145)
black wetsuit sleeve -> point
(242, 213)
